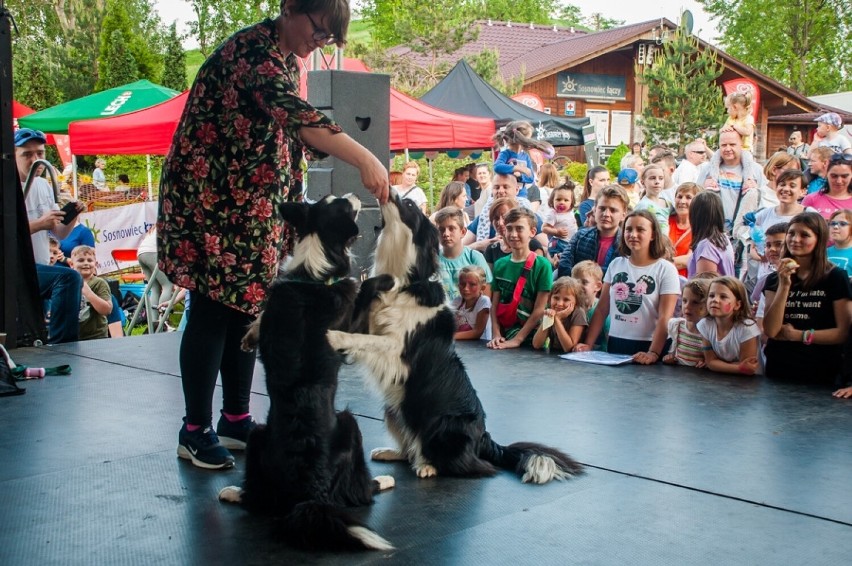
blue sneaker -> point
(203, 448)
(235, 435)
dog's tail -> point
(535, 463)
(316, 525)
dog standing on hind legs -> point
(306, 464)
(404, 339)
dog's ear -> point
(295, 214)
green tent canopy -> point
(111, 102)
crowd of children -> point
(655, 274)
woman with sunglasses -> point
(837, 194)
(236, 156)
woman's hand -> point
(582, 348)
(786, 268)
(374, 177)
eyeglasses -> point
(699, 152)
(838, 224)
(320, 35)
(838, 157)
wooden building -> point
(593, 74)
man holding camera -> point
(60, 285)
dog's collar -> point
(331, 281)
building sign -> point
(570, 108)
(530, 99)
(575, 85)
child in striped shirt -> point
(686, 341)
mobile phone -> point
(71, 212)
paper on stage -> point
(601, 358)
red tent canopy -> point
(19, 111)
(144, 132)
(414, 125)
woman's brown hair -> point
(659, 245)
(820, 266)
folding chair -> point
(156, 320)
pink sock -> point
(235, 418)
(192, 427)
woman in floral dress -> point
(234, 159)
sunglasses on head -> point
(838, 157)
(27, 135)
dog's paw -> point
(231, 494)
(252, 336)
(426, 471)
(384, 482)
(338, 340)
(386, 455)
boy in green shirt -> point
(96, 303)
(520, 229)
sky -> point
(630, 12)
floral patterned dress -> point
(235, 158)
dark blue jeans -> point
(62, 286)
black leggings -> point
(210, 345)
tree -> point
(118, 67)
(174, 65)
(117, 18)
(217, 20)
(806, 45)
(684, 100)
(34, 78)
(571, 16)
(485, 63)
(598, 22)
(522, 11)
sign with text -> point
(120, 227)
(575, 85)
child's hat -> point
(628, 177)
(831, 118)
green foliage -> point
(613, 164)
(443, 168)
(524, 11)
(174, 64)
(576, 171)
(598, 22)
(804, 45)
(431, 28)
(134, 166)
(684, 101)
(121, 32)
(216, 21)
(194, 60)
(34, 80)
(485, 63)
(118, 67)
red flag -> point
(745, 85)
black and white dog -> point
(307, 462)
(405, 342)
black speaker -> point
(360, 104)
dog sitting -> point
(405, 342)
(307, 462)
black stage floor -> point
(685, 467)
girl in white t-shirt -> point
(639, 293)
(730, 334)
(472, 307)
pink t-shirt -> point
(825, 204)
